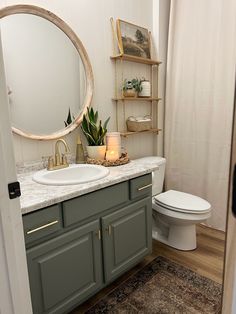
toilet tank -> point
(157, 175)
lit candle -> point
(112, 155)
(115, 148)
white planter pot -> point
(96, 152)
(146, 89)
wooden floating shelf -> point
(135, 59)
(128, 133)
(136, 99)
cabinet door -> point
(66, 269)
(127, 237)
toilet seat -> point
(182, 202)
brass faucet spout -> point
(57, 146)
(58, 162)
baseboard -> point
(209, 227)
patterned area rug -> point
(163, 287)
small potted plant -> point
(95, 133)
(137, 85)
(131, 88)
(128, 89)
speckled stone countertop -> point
(35, 196)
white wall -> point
(90, 19)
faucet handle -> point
(50, 163)
(64, 159)
(44, 160)
(57, 159)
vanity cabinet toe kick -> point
(77, 247)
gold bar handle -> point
(98, 233)
(144, 187)
(42, 227)
(108, 229)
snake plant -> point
(69, 119)
(93, 129)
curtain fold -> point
(199, 100)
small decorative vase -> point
(96, 152)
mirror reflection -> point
(44, 73)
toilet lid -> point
(182, 202)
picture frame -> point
(134, 40)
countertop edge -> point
(77, 191)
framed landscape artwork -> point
(134, 40)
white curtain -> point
(199, 100)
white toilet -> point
(175, 214)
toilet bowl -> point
(175, 214)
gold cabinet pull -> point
(108, 229)
(43, 227)
(98, 233)
(144, 187)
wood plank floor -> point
(206, 260)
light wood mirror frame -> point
(35, 10)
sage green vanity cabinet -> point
(64, 270)
(127, 238)
(77, 247)
(88, 205)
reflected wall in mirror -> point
(48, 72)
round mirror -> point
(48, 74)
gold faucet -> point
(60, 160)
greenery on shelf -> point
(93, 129)
(135, 84)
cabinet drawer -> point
(42, 223)
(85, 206)
(141, 187)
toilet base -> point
(181, 237)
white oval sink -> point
(74, 174)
